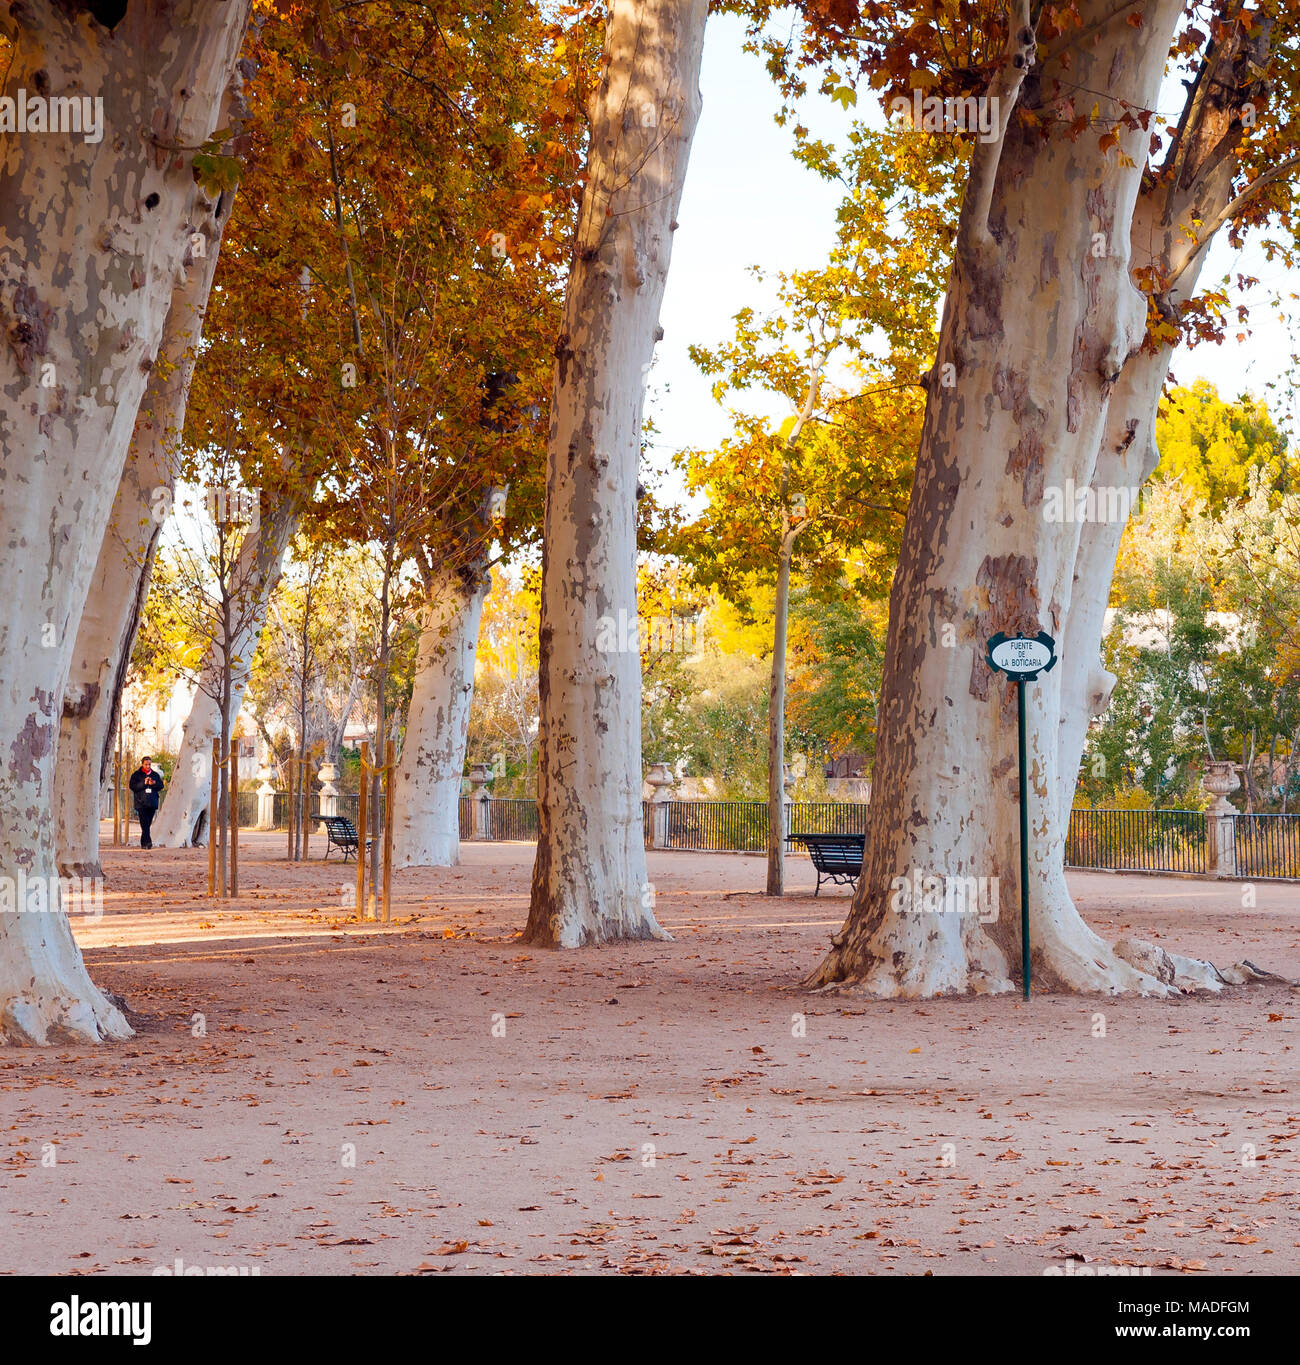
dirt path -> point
(432, 1097)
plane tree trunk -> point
(589, 880)
(1039, 327)
(111, 617)
(1058, 382)
(426, 807)
(93, 239)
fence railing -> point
(512, 818)
(741, 826)
(706, 826)
(1137, 840)
(347, 803)
(1266, 845)
(1258, 846)
(1186, 841)
(718, 826)
(828, 817)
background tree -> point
(589, 881)
(503, 723)
(1083, 230)
(837, 647)
(220, 566)
(832, 478)
(1212, 446)
(357, 334)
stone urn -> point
(1221, 778)
(659, 777)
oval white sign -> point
(1021, 656)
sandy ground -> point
(432, 1097)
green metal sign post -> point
(1022, 658)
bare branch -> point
(1231, 211)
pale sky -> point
(747, 202)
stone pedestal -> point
(329, 793)
(265, 798)
(660, 778)
(1220, 819)
(482, 799)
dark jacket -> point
(147, 788)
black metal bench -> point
(837, 857)
(340, 833)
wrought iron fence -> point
(347, 803)
(706, 826)
(1262, 846)
(718, 826)
(512, 818)
(1266, 845)
(828, 817)
(1137, 840)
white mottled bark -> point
(178, 823)
(426, 805)
(1166, 225)
(589, 880)
(1038, 328)
(93, 238)
(111, 617)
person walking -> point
(146, 784)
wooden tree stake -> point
(289, 806)
(390, 765)
(117, 794)
(234, 820)
(361, 832)
(212, 817)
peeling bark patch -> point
(1049, 267)
(1025, 465)
(1090, 345)
(29, 331)
(1010, 585)
(563, 356)
(1011, 389)
(32, 743)
(984, 304)
(80, 707)
(1025, 460)
(1073, 388)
